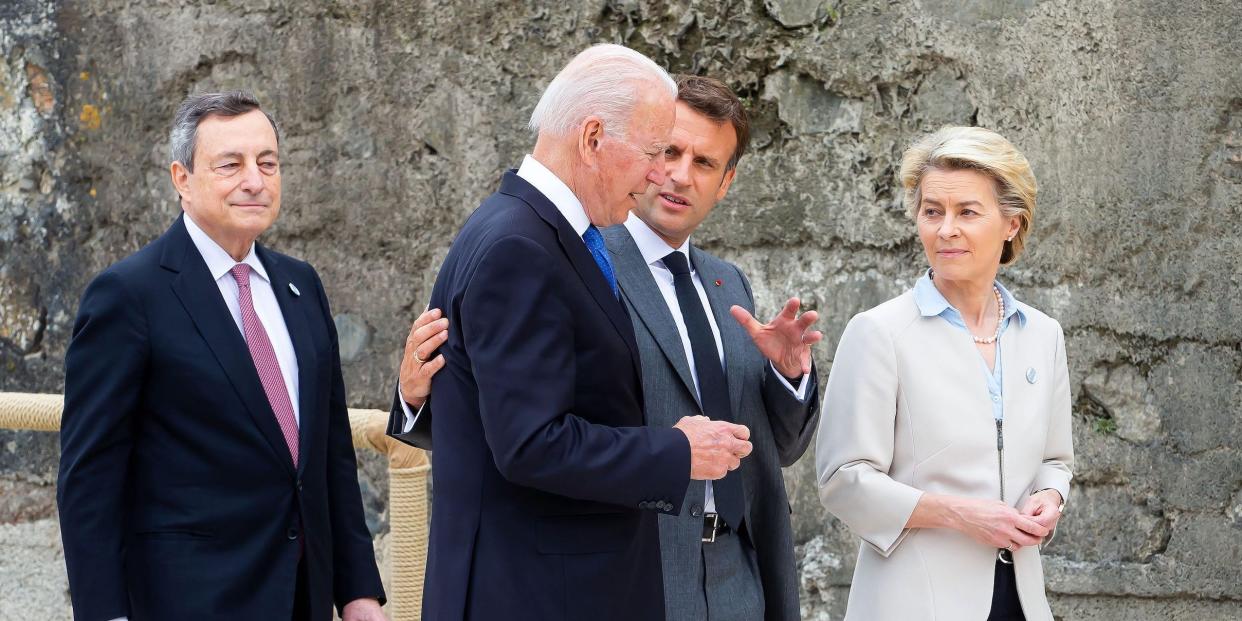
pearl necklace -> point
(1000, 316)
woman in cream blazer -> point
(945, 441)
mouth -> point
(674, 201)
(951, 252)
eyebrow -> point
(239, 155)
(939, 204)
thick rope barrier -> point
(408, 473)
(20, 410)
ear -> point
(590, 140)
(180, 178)
(725, 183)
(1011, 230)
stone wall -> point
(400, 117)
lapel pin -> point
(1030, 375)
(295, 291)
(719, 282)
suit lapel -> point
(199, 295)
(641, 291)
(294, 311)
(732, 337)
(575, 249)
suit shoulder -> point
(1039, 320)
(501, 217)
(292, 263)
(134, 270)
(890, 317)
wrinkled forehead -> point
(651, 123)
(249, 133)
(959, 185)
(694, 130)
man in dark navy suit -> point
(207, 470)
(548, 482)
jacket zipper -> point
(1000, 452)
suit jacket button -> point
(643, 504)
(665, 506)
(696, 510)
(292, 534)
(299, 486)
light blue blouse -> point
(931, 303)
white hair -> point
(602, 81)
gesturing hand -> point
(716, 447)
(428, 332)
(786, 340)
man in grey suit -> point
(728, 554)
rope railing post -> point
(408, 472)
(408, 516)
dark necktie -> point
(713, 386)
(595, 243)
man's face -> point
(695, 176)
(233, 194)
(627, 167)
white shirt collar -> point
(556, 191)
(218, 260)
(652, 246)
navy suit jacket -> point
(178, 498)
(547, 482)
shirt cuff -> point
(410, 415)
(800, 391)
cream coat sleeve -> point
(1057, 468)
(854, 448)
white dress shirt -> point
(565, 201)
(654, 249)
(265, 305)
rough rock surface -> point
(400, 116)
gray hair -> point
(603, 81)
(183, 136)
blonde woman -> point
(945, 443)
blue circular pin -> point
(1030, 375)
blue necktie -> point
(595, 243)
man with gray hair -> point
(548, 484)
(207, 470)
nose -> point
(948, 227)
(678, 171)
(655, 172)
(252, 178)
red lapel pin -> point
(719, 282)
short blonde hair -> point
(975, 148)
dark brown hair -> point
(716, 101)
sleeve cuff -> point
(410, 415)
(800, 392)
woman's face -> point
(961, 225)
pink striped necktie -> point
(265, 361)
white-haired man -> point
(548, 484)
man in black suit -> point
(548, 483)
(207, 470)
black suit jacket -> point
(547, 481)
(178, 498)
